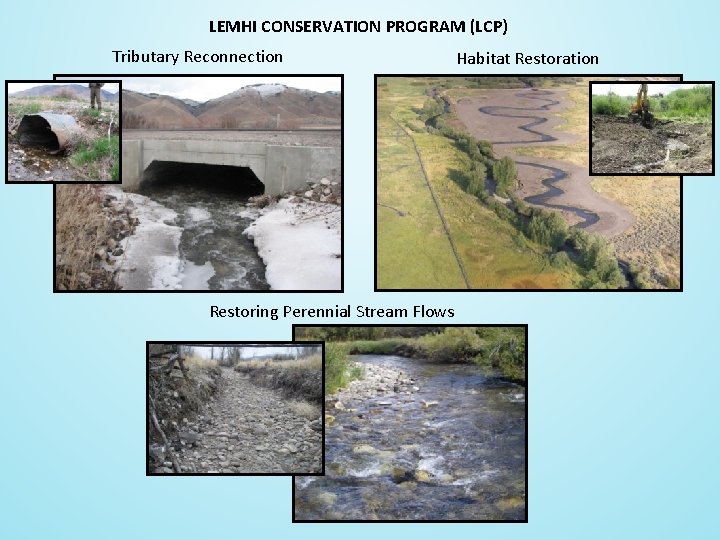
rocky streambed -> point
(246, 429)
(419, 441)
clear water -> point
(469, 451)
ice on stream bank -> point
(299, 241)
(152, 258)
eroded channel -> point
(454, 449)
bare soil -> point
(621, 146)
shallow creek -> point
(191, 238)
(447, 445)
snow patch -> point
(269, 89)
(196, 276)
(152, 257)
(263, 89)
(165, 272)
(249, 213)
(299, 241)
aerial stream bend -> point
(587, 217)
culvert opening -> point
(36, 131)
(240, 181)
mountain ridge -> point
(258, 106)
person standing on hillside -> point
(95, 94)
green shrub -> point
(338, 372)
(431, 107)
(611, 104)
(454, 344)
(476, 179)
(640, 276)
(98, 149)
(101, 158)
(504, 174)
(547, 228)
(504, 352)
(90, 113)
(560, 260)
(685, 103)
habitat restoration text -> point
(336, 312)
(523, 59)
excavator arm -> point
(640, 110)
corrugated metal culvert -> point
(50, 131)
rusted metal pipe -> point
(50, 131)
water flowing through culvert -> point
(215, 253)
(460, 456)
(190, 234)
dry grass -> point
(80, 229)
(654, 241)
(309, 362)
(301, 378)
(199, 362)
(305, 409)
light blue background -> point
(623, 415)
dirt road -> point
(511, 119)
(250, 429)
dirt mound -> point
(621, 146)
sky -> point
(631, 89)
(206, 88)
(17, 87)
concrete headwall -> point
(279, 168)
(132, 164)
(290, 167)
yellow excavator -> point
(640, 110)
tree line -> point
(684, 103)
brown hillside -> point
(251, 107)
(161, 113)
(271, 106)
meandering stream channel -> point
(587, 217)
(452, 448)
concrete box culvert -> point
(50, 131)
(218, 178)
